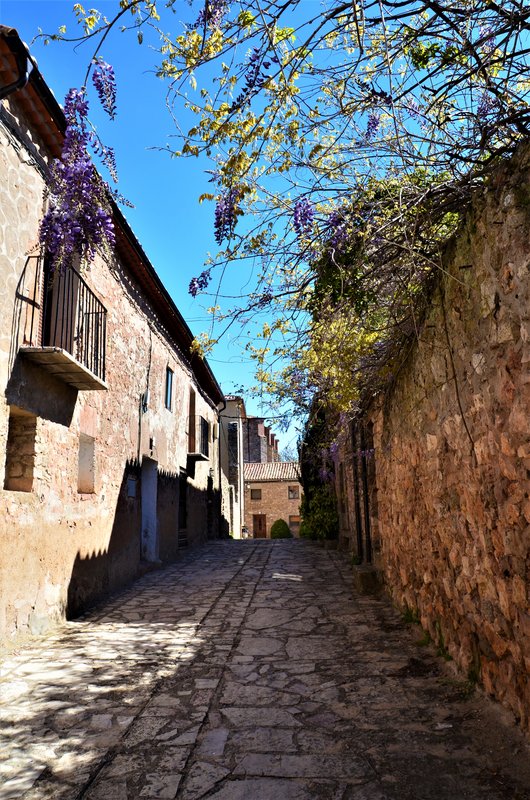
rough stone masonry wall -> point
(62, 547)
(453, 452)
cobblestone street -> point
(249, 671)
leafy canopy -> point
(345, 140)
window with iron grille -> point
(293, 493)
(255, 494)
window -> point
(255, 494)
(86, 467)
(169, 388)
(204, 443)
(198, 435)
(20, 451)
(292, 493)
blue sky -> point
(174, 229)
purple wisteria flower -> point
(487, 39)
(303, 217)
(199, 284)
(325, 474)
(338, 229)
(487, 105)
(414, 109)
(106, 154)
(254, 78)
(373, 125)
(225, 215)
(78, 219)
(212, 14)
(104, 82)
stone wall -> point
(452, 452)
(254, 440)
(73, 500)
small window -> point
(204, 437)
(292, 493)
(169, 388)
(86, 470)
(255, 494)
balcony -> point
(198, 439)
(65, 328)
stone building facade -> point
(232, 425)
(109, 450)
(433, 481)
(272, 491)
(259, 443)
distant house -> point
(232, 425)
(109, 449)
(272, 491)
(259, 443)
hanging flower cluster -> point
(487, 105)
(212, 15)
(373, 124)
(338, 230)
(303, 217)
(104, 82)
(225, 215)
(254, 79)
(199, 284)
(79, 218)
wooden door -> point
(259, 526)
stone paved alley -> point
(249, 671)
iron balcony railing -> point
(69, 316)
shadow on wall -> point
(97, 575)
(30, 387)
(183, 516)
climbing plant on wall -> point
(78, 219)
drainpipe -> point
(21, 56)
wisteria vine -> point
(79, 217)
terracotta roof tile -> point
(272, 471)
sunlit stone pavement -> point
(249, 671)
